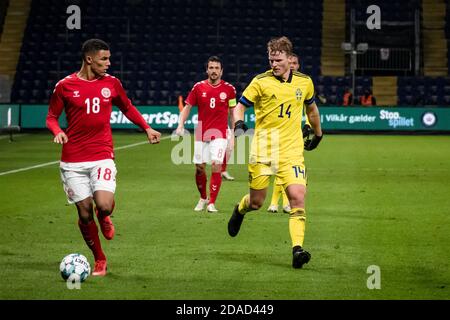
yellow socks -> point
(277, 189)
(244, 204)
(285, 197)
(297, 220)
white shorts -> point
(81, 179)
(208, 151)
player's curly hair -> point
(93, 45)
(280, 44)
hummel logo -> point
(203, 94)
(76, 94)
(273, 96)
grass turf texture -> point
(372, 200)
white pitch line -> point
(55, 162)
(137, 144)
(28, 168)
(14, 136)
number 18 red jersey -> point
(88, 106)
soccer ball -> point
(75, 268)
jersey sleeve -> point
(309, 98)
(232, 95)
(55, 109)
(251, 94)
(127, 108)
(192, 96)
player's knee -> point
(255, 204)
(297, 203)
(200, 170)
(216, 167)
(297, 197)
(84, 214)
(84, 209)
(104, 207)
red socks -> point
(90, 235)
(214, 187)
(201, 185)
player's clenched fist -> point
(240, 128)
(311, 144)
(179, 131)
(153, 136)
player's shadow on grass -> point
(121, 276)
(252, 258)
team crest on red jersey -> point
(223, 96)
(106, 93)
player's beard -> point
(214, 78)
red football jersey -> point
(213, 103)
(88, 106)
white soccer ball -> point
(75, 268)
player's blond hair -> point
(281, 44)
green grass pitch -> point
(372, 201)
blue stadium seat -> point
(170, 51)
(446, 100)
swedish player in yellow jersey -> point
(278, 96)
(278, 189)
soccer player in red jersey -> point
(213, 97)
(87, 168)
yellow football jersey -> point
(278, 107)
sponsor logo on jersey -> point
(76, 94)
(106, 93)
(223, 95)
(204, 94)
